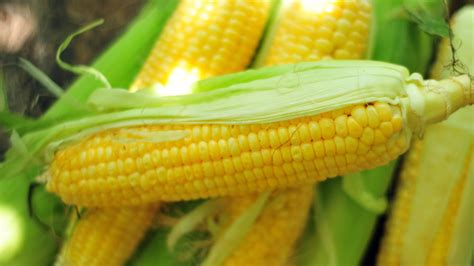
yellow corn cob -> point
(107, 169)
(304, 31)
(106, 236)
(273, 235)
(217, 160)
(205, 38)
(314, 30)
(432, 213)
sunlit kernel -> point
(11, 233)
(318, 6)
(179, 82)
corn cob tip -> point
(432, 101)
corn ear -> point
(106, 236)
(436, 185)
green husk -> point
(36, 244)
(46, 81)
(192, 219)
(399, 39)
(427, 207)
(341, 228)
(352, 213)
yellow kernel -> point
(184, 157)
(243, 143)
(218, 168)
(246, 160)
(284, 136)
(237, 162)
(205, 133)
(277, 158)
(203, 151)
(307, 150)
(340, 145)
(355, 130)
(224, 150)
(351, 158)
(342, 54)
(214, 150)
(228, 166)
(233, 147)
(309, 166)
(351, 144)
(192, 150)
(330, 147)
(397, 123)
(315, 130)
(379, 137)
(288, 169)
(253, 142)
(263, 139)
(257, 159)
(304, 133)
(386, 128)
(324, 46)
(273, 137)
(341, 125)
(384, 111)
(296, 153)
(372, 116)
(286, 153)
(294, 137)
(360, 115)
(330, 163)
(318, 147)
(340, 161)
(258, 172)
(367, 136)
(338, 39)
(327, 128)
(362, 148)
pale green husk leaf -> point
(354, 187)
(191, 220)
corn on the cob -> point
(271, 239)
(436, 183)
(205, 38)
(106, 236)
(216, 160)
(304, 31)
(314, 30)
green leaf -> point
(40, 76)
(81, 69)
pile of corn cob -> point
(260, 138)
